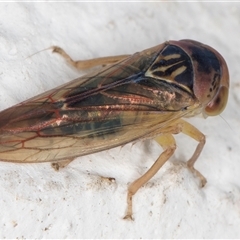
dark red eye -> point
(218, 103)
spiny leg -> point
(168, 144)
(87, 64)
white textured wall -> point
(36, 202)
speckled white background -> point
(36, 202)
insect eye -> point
(218, 103)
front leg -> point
(167, 141)
(194, 133)
(168, 144)
(189, 130)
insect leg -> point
(87, 64)
(168, 144)
(189, 130)
(194, 133)
(62, 164)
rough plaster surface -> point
(37, 202)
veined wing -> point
(121, 103)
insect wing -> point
(119, 104)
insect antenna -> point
(38, 52)
(225, 121)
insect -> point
(132, 97)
